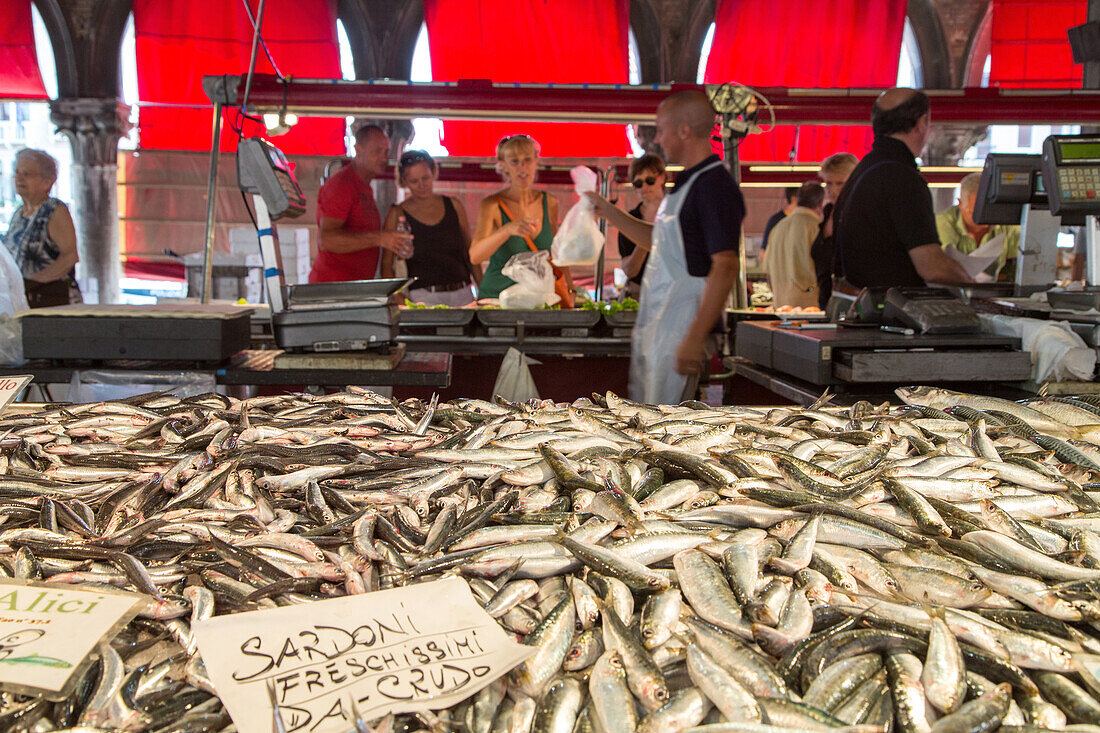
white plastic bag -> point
(13, 298)
(534, 278)
(1057, 353)
(579, 241)
(514, 382)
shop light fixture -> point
(279, 123)
(775, 168)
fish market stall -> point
(883, 337)
(278, 563)
(573, 351)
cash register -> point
(926, 310)
(343, 316)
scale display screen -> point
(263, 169)
(1085, 150)
(1071, 170)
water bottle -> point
(400, 266)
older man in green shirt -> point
(956, 226)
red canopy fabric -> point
(19, 74)
(179, 42)
(549, 41)
(1029, 44)
(808, 44)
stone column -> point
(94, 127)
(646, 135)
(400, 132)
(948, 145)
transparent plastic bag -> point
(13, 298)
(98, 385)
(534, 278)
(579, 241)
(11, 341)
(514, 382)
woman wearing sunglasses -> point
(440, 261)
(647, 174)
(518, 219)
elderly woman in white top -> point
(41, 237)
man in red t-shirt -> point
(350, 224)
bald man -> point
(351, 240)
(693, 261)
(885, 228)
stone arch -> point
(63, 51)
(647, 34)
(382, 35)
(364, 51)
(977, 49)
(935, 58)
(695, 31)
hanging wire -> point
(263, 43)
(255, 42)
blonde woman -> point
(508, 219)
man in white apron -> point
(693, 259)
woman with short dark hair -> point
(41, 237)
(647, 174)
(440, 262)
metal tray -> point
(351, 290)
(539, 318)
(435, 316)
(1080, 300)
(622, 319)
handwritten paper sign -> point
(46, 632)
(10, 387)
(423, 647)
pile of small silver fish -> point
(928, 567)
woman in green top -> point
(506, 218)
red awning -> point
(806, 44)
(19, 74)
(552, 41)
(1030, 48)
(179, 42)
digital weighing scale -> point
(341, 316)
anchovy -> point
(670, 567)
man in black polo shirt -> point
(693, 260)
(884, 222)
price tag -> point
(10, 387)
(47, 630)
(424, 647)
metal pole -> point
(211, 187)
(606, 178)
(729, 148)
(255, 43)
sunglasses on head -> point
(647, 181)
(415, 156)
